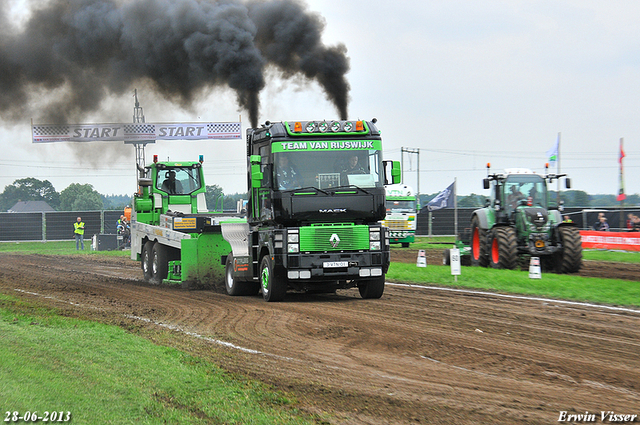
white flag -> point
(552, 154)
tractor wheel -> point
(159, 263)
(569, 260)
(236, 287)
(273, 287)
(504, 248)
(145, 263)
(372, 288)
(479, 251)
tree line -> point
(83, 197)
(571, 199)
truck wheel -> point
(569, 260)
(479, 252)
(373, 288)
(159, 263)
(235, 287)
(504, 248)
(273, 287)
(145, 262)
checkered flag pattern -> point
(145, 129)
(223, 128)
(50, 130)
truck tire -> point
(479, 251)
(236, 287)
(273, 287)
(159, 263)
(145, 263)
(504, 248)
(569, 260)
(372, 288)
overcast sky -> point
(465, 82)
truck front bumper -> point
(336, 266)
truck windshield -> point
(326, 169)
(178, 180)
(398, 206)
(529, 187)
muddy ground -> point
(414, 356)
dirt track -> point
(415, 356)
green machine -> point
(173, 235)
(519, 221)
(316, 196)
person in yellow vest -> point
(78, 231)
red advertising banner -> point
(626, 241)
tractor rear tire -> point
(479, 251)
(504, 248)
(569, 260)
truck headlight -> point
(374, 235)
(294, 248)
(293, 237)
(374, 245)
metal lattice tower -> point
(138, 117)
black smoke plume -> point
(91, 49)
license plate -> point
(334, 264)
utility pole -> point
(410, 151)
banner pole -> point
(455, 206)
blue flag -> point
(444, 199)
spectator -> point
(602, 225)
(635, 223)
(78, 231)
(567, 219)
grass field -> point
(102, 374)
(443, 242)
(550, 285)
(56, 248)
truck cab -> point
(401, 214)
(173, 235)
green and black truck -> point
(316, 196)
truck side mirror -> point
(394, 168)
(485, 183)
(256, 173)
(567, 183)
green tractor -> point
(518, 222)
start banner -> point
(49, 133)
(626, 241)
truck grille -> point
(320, 237)
(397, 224)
